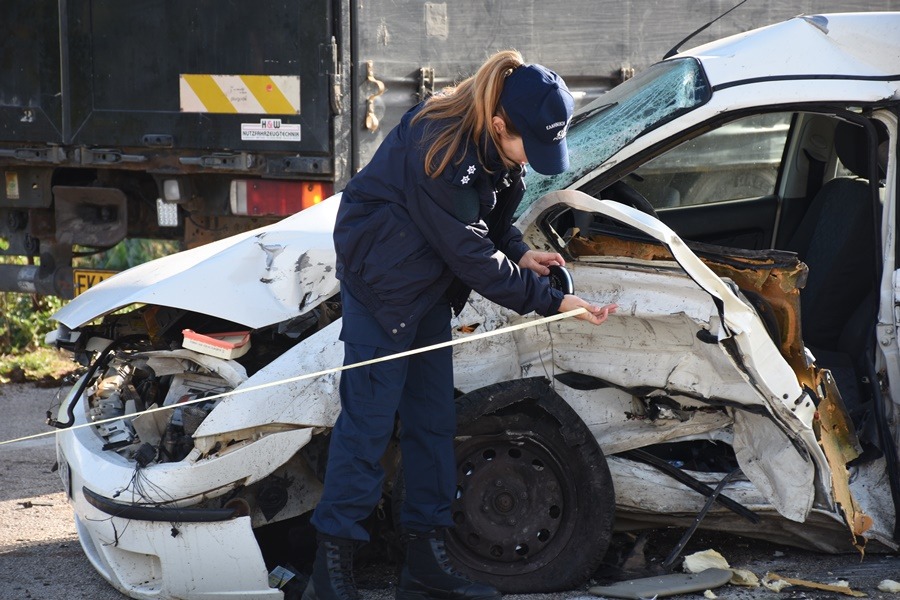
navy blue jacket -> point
(403, 237)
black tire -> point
(535, 502)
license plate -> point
(85, 279)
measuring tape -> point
(465, 340)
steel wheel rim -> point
(512, 506)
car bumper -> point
(153, 560)
(175, 545)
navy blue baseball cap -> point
(540, 106)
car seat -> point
(837, 239)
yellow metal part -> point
(838, 440)
(774, 288)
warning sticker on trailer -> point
(271, 130)
(245, 94)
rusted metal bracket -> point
(426, 83)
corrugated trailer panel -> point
(592, 44)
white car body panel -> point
(864, 44)
(293, 261)
(276, 273)
(693, 368)
(147, 562)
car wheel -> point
(535, 502)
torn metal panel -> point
(300, 496)
(652, 342)
(774, 464)
(487, 360)
(618, 420)
(760, 358)
(771, 280)
(309, 402)
(773, 287)
(868, 482)
(669, 497)
(646, 498)
(838, 439)
(739, 364)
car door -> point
(721, 187)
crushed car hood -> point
(257, 278)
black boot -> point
(332, 576)
(428, 575)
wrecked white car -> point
(737, 201)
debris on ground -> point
(30, 504)
(710, 559)
(707, 559)
(744, 578)
(889, 585)
(664, 585)
(776, 585)
(841, 587)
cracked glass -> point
(621, 115)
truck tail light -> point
(259, 197)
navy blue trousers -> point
(420, 389)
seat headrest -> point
(851, 145)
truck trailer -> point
(196, 120)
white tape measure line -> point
(457, 341)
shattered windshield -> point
(619, 116)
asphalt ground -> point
(40, 556)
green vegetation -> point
(127, 254)
(24, 321)
(41, 365)
(25, 318)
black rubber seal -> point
(168, 514)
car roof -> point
(832, 46)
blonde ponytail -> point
(474, 102)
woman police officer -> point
(428, 219)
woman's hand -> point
(594, 314)
(538, 261)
